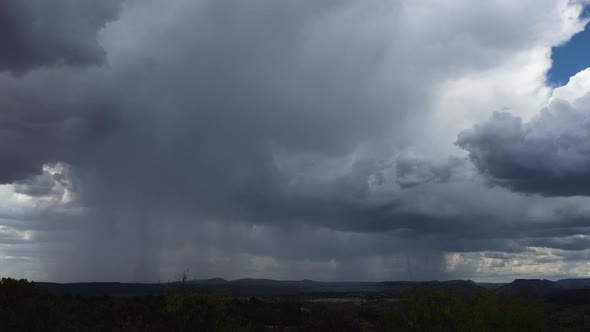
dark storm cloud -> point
(216, 119)
(548, 155)
(202, 139)
(564, 243)
(413, 171)
(227, 122)
(44, 120)
(37, 33)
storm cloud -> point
(548, 155)
(37, 33)
(295, 139)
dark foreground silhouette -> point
(24, 306)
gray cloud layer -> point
(46, 117)
(548, 155)
(37, 33)
(263, 138)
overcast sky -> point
(327, 140)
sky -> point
(571, 57)
(327, 140)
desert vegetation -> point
(25, 307)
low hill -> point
(259, 287)
(574, 283)
(530, 287)
(268, 287)
(491, 285)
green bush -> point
(435, 310)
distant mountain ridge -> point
(269, 287)
(581, 283)
(521, 287)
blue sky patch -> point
(570, 58)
